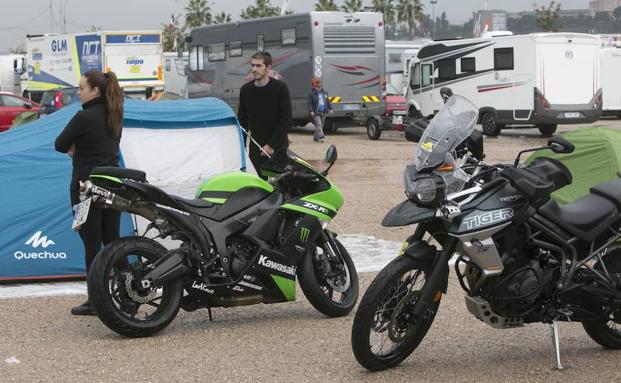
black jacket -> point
(313, 101)
(94, 143)
(266, 113)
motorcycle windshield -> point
(449, 128)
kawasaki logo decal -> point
(304, 233)
(263, 261)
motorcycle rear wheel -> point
(383, 317)
(116, 295)
(328, 278)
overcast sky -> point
(20, 17)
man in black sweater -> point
(265, 111)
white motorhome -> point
(395, 55)
(175, 73)
(540, 79)
(610, 67)
(55, 60)
(9, 77)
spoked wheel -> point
(119, 300)
(328, 277)
(385, 332)
(607, 331)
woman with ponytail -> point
(92, 139)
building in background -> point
(604, 5)
(489, 21)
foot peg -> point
(555, 340)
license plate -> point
(572, 114)
(351, 107)
(80, 213)
(399, 112)
(397, 120)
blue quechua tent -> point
(177, 143)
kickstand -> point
(210, 317)
(555, 340)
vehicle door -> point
(12, 107)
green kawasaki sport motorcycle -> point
(242, 241)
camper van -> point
(9, 77)
(175, 73)
(345, 50)
(540, 79)
(396, 53)
(610, 67)
(58, 61)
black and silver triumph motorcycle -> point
(242, 241)
(520, 257)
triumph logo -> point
(263, 261)
(38, 240)
(487, 219)
(304, 233)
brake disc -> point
(336, 286)
(400, 316)
(134, 294)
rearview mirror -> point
(331, 155)
(560, 145)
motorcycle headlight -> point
(425, 189)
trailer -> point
(344, 50)
(9, 77)
(541, 79)
(610, 63)
(175, 73)
(59, 61)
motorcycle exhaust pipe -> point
(166, 269)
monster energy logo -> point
(304, 233)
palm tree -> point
(387, 8)
(222, 18)
(262, 9)
(411, 13)
(197, 13)
(352, 6)
(326, 5)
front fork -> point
(332, 259)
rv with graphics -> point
(58, 61)
(540, 79)
(610, 64)
(345, 50)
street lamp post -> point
(433, 16)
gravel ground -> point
(292, 341)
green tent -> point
(597, 159)
(24, 118)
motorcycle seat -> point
(132, 174)
(586, 218)
(197, 206)
(610, 190)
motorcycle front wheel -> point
(117, 296)
(328, 277)
(385, 332)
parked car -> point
(11, 106)
(55, 99)
(395, 114)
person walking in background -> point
(318, 106)
(92, 139)
(265, 111)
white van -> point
(540, 79)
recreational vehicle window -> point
(446, 69)
(468, 64)
(394, 57)
(216, 52)
(260, 43)
(288, 36)
(415, 78)
(503, 59)
(201, 58)
(235, 49)
(427, 74)
(193, 58)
